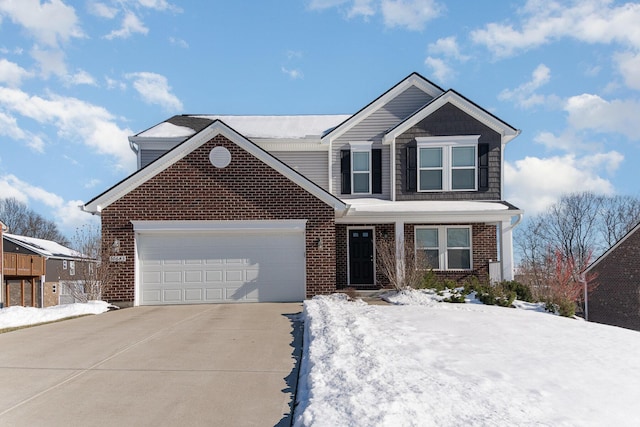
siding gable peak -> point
(414, 79)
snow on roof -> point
(167, 130)
(417, 206)
(281, 126)
(46, 248)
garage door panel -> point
(221, 267)
(193, 276)
(172, 295)
(193, 295)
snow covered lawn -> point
(438, 364)
(21, 316)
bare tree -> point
(619, 215)
(571, 233)
(26, 222)
(411, 275)
(94, 272)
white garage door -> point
(221, 266)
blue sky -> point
(78, 77)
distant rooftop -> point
(43, 247)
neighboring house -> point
(38, 272)
(279, 208)
(616, 297)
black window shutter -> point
(411, 175)
(345, 171)
(483, 167)
(376, 168)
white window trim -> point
(361, 147)
(447, 143)
(442, 246)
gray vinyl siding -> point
(311, 164)
(373, 128)
(148, 156)
(449, 121)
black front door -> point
(361, 257)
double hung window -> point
(443, 248)
(361, 171)
(447, 163)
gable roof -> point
(507, 131)
(45, 248)
(613, 248)
(217, 127)
(414, 79)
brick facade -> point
(616, 299)
(247, 189)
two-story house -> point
(279, 208)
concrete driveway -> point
(213, 365)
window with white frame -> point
(448, 163)
(361, 171)
(443, 247)
(361, 168)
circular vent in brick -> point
(220, 157)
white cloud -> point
(408, 14)
(102, 10)
(154, 89)
(178, 42)
(67, 214)
(543, 21)
(439, 68)
(448, 47)
(536, 183)
(591, 112)
(9, 127)
(294, 74)
(92, 183)
(524, 95)
(50, 61)
(628, 65)
(12, 74)
(75, 120)
(411, 14)
(114, 84)
(24, 191)
(159, 5)
(131, 24)
(81, 78)
(49, 23)
(326, 4)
